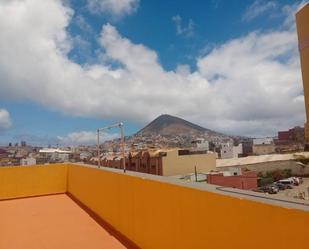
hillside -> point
(167, 125)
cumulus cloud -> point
(85, 138)
(250, 85)
(116, 8)
(184, 30)
(258, 8)
(5, 120)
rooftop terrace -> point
(49, 222)
(81, 206)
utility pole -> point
(122, 147)
(117, 125)
(98, 147)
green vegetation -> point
(272, 176)
(265, 181)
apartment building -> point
(228, 150)
(164, 162)
(263, 146)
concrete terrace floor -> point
(51, 222)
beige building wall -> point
(263, 149)
(264, 167)
(302, 20)
(173, 164)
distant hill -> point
(167, 125)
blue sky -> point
(214, 22)
(90, 63)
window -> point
(183, 152)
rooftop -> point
(82, 206)
(53, 150)
(258, 159)
(49, 222)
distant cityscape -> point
(145, 151)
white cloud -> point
(183, 69)
(185, 30)
(116, 8)
(5, 120)
(250, 85)
(258, 8)
(83, 25)
(85, 138)
(289, 12)
(274, 9)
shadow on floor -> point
(110, 229)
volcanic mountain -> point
(167, 125)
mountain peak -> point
(170, 125)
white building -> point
(28, 161)
(85, 155)
(56, 154)
(260, 141)
(232, 171)
(228, 150)
(200, 144)
(237, 150)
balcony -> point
(80, 206)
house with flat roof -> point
(165, 162)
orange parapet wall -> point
(156, 214)
(302, 20)
(25, 181)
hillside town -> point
(155, 139)
(197, 156)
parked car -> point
(273, 189)
(295, 181)
(289, 186)
(287, 181)
(270, 189)
(262, 189)
(281, 186)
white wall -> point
(28, 161)
(266, 140)
(226, 151)
(237, 150)
(230, 151)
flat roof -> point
(258, 159)
(52, 150)
(50, 222)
